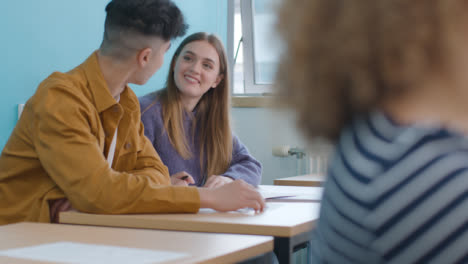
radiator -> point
(313, 160)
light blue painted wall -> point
(39, 37)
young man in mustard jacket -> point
(80, 142)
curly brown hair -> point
(345, 57)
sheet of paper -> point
(243, 211)
(71, 252)
(273, 191)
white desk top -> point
(279, 219)
(37, 241)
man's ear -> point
(218, 80)
(143, 57)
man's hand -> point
(182, 178)
(57, 206)
(232, 196)
(215, 181)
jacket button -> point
(128, 145)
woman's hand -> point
(215, 181)
(232, 196)
(182, 178)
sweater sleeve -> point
(243, 165)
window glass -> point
(266, 47)
(256, 48)
(238, 53)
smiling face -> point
(196, 70)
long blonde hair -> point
(212, 116)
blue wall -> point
(39, 37)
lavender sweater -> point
(243, 165)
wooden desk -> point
(290, 223)
(302, 180)
(190, 247)
(278, 193)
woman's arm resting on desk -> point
(232, 196)
(243, 165)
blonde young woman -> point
(188, 121)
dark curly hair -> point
(347, 57)
(158, 18)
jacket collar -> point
(99, 89)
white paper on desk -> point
(301, 193)
(71, 252)
(242, 211)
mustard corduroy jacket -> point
(58, 149)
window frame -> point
(251, 89)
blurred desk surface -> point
(302, 180)
(290, 223)
(46, 243)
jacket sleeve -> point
(69, 151)
(243, 165)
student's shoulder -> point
(235, 140)
(452, 144)
(439, 148)
(71, 85)
(62, 93)
(150, 103)
(237, 145)
(73, 81)
(443, 140)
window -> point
(252, 46)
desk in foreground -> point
(290, 223)
(37, 241)
(316, 180)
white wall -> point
(260, 129)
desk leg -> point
(284, 250)
(267, 258)
(286, 246)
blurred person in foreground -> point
(386, 81)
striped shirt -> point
(394, 194)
